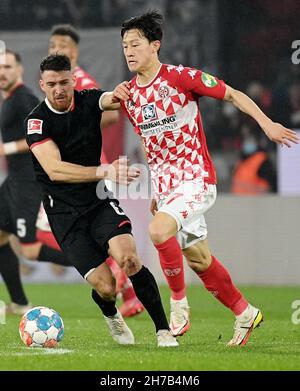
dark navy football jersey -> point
(14, 110)
(78, 137)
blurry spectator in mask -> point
(254, 173)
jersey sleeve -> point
(36, 131)
(201, 83)
(26, 103)
(92, 98)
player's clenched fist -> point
(121, 92)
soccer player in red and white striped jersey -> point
(161, 101)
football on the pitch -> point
(41, 327)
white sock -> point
(181, 301)
(246, 315)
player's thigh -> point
(108, 221)
(27, 199)
(80, 248)
(190, 199)
(6, 206)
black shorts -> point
(19, 206)
(84, 239)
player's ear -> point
(42, 85)
(21, 69)
(156, 46)
(73, 80)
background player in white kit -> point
(162, 103)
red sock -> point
(120, 275)
(218, 282)
(128, 292)
(171, 261)
(47, 238)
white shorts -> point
(187, 205)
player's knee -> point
(106, 290)
(31, 252)
(158, 232)
(4, 238)
(126, 258)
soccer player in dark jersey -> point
(64, 137)
(20, 194)
(65, 39)
(162, 103)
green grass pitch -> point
(88, 346)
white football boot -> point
(119, 330)
(179, 316)
(17, 309)
(244, 325)
(166, 339)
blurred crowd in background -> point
(247, 44)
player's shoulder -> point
(87, 98)
(38, 111)
(23, 92)
(178, 70)
(86, 94)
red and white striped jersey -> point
(84, 81)
(166, 115)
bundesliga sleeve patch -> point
(34, 126)
(208, 80)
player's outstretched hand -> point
(120, 172)
(153, 207)
(121, 92)
(281, 135)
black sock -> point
(147, 292)
(48, 254)
(108, 308)
(9, 269)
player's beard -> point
(8, 86)
(63, 104)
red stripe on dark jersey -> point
(29, 244)
(123, 223)
(40, 142)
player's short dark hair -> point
(15, 54)
(149, 24)
(66, 29)
(55, 62)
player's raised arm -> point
(274, 131)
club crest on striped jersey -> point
(163, 92)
